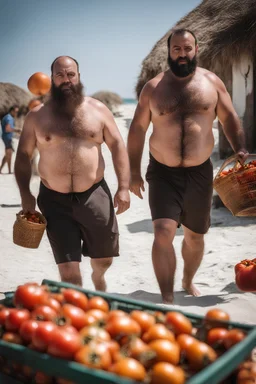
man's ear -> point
(197, 48)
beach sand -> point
(229, 240)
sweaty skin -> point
(182, 111)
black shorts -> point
(183, 194)
(80, 223)
(8, 144)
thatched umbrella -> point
(110, 99)
(225, 30)
(10, 95)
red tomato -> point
(27, 330)
(58, 296)
(11, 337)
(29, 296)
(216, 337)
(43, 335)
(116, 313)
(16, 318)
(64, 344)
(79, 299)
(44, 313)
(4, 313)
(42, 378)
(53, 303)
(76, 315)
(98, 314)
(246, 275)
(185, 341)
(178, 323)
(233, 337)
(97, 302)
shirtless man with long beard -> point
(182, 104)
(68, 132)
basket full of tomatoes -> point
(58, 333)
(28, 229)
(236, 186)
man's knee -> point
(194, 239)
(70, 272)
(101, 265)
(164, 230)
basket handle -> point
(231, 159)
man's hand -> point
(242, 155)
(28, 203)
(136, 185)
(122, 200)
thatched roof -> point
(10, 95)
(110, 99)
(226, 30)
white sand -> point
(229, 240)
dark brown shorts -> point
(181, 194)
(75, 218)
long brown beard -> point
(65, 102)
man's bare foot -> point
(191, 289)
(167, 299)
(99, 283)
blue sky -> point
(109, 38)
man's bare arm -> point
(26, 147)
(116, 145)
(138, 129)
(229, 119)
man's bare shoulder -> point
(36, 113)
(212, 78)
(96, 105)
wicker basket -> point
(27, 234)
(237, 190)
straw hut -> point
(110, 99)
(226, 33)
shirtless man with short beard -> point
(182, 104)
(68, 132)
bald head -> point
(64, 60)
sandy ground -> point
(229, 240)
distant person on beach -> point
(182, 104)
(68, 131)
(8, 128)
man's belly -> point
(71, 172)
(184, 145)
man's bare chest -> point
(80, 128)
(193, 98)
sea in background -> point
(130, 101)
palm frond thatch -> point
(226, 31)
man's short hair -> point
(180, 31)
(64, 56)
(13, 107)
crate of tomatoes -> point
(236, 186)
(58, 333)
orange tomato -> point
(158, 331)
(39, 83)
(178, 323)
(97, 302)
(94, 355)
(200, 355)
(166, 373)
(122, 326)
(216, 337)
(166, 351)
(130, 368)
(144, 319)
(233, 337)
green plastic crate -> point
(213, 374)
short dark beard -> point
(182, 70)
(66, 101)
